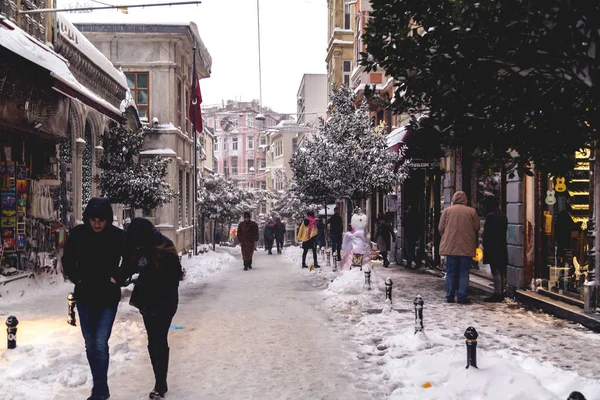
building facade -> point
(240, 143)
(340, 44)
(311, 99)
(157, 62)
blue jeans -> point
(457, 276)
(96, 326)
(336, 243)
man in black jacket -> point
(336, 229)
(91, 260)
(279, 234)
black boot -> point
(161, 367)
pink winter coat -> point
(459, 225)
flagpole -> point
(194, 101)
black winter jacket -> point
(91, 259)
(156, 290)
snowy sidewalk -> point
(522, 354)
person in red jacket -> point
(247, 236)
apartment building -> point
(340, 28)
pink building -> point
(240, 143)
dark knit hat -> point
(98, 207)
(246, 214)
(141, 232)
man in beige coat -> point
(459, 225)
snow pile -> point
(431, 364)
(204, 265)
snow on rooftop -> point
(81, 43)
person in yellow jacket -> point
(307, 234)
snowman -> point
(357, 251)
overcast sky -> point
(293, 42)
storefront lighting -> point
(582, 193)
(580, 207)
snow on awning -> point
(26, 46)
(397, 136)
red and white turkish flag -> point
(195, 101)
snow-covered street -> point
(280, 332)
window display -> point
(566, 211)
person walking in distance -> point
(91, 259)
(156, 293)
(412, 224)
(336, 229)
(384, 238)
(307, 234)
(247, 234)
(279, 234)
(459, 225)
(269, 235)
(495, 249)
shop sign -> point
(27, 107)
(417, 164)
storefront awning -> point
(26, 46)
(397, 138)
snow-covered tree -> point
(220, 199)
(348, 157)
(125, 180)
(290, 204)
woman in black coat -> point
(91, 259)
(384, 236)
(495, 248)
(156, 291)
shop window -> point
(139, 84)
(566, 212)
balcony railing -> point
(34, 24)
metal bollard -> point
(190, 253)
(334, 263)
(327, 258)
(471, 341)
(418, 314)
(71, 318)
(11, 332)
(368, 279)
(388, 288)
(576, 396)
